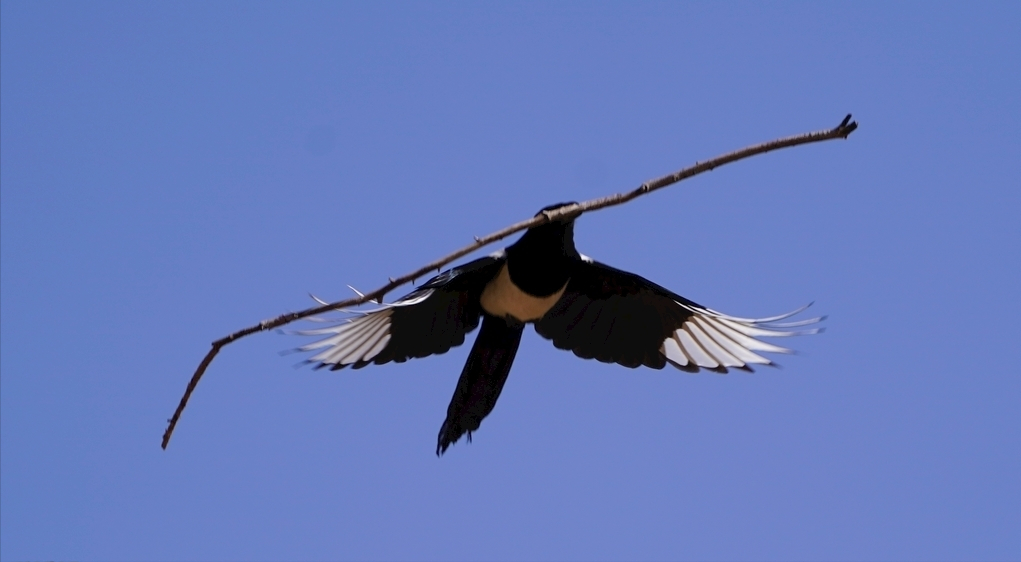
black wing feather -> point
(618, 317)
(430, 320)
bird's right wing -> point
(618, 317)
(429, 320)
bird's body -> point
(535, 274)
(594, 310)
(504, 298)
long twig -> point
(845, 128)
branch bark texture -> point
(841, 131)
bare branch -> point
(841, 131)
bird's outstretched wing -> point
(429, 320)
(618, 317)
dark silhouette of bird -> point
(581, 305)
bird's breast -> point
(502, 297)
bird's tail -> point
(482, 379)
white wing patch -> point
(357, 340)
(714, 340)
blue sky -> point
(173, 172)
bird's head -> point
(555, 236)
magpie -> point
(594, 310)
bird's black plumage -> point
(481, 380)
(592, 309)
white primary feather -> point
(358, 339)
(712, 339)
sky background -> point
(172, 172)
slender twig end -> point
(846, 127)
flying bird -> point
(592, 309)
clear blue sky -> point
(172, 172)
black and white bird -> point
(592, 309)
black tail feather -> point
(481, 381)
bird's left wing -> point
(429, 320)
(618, 317)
